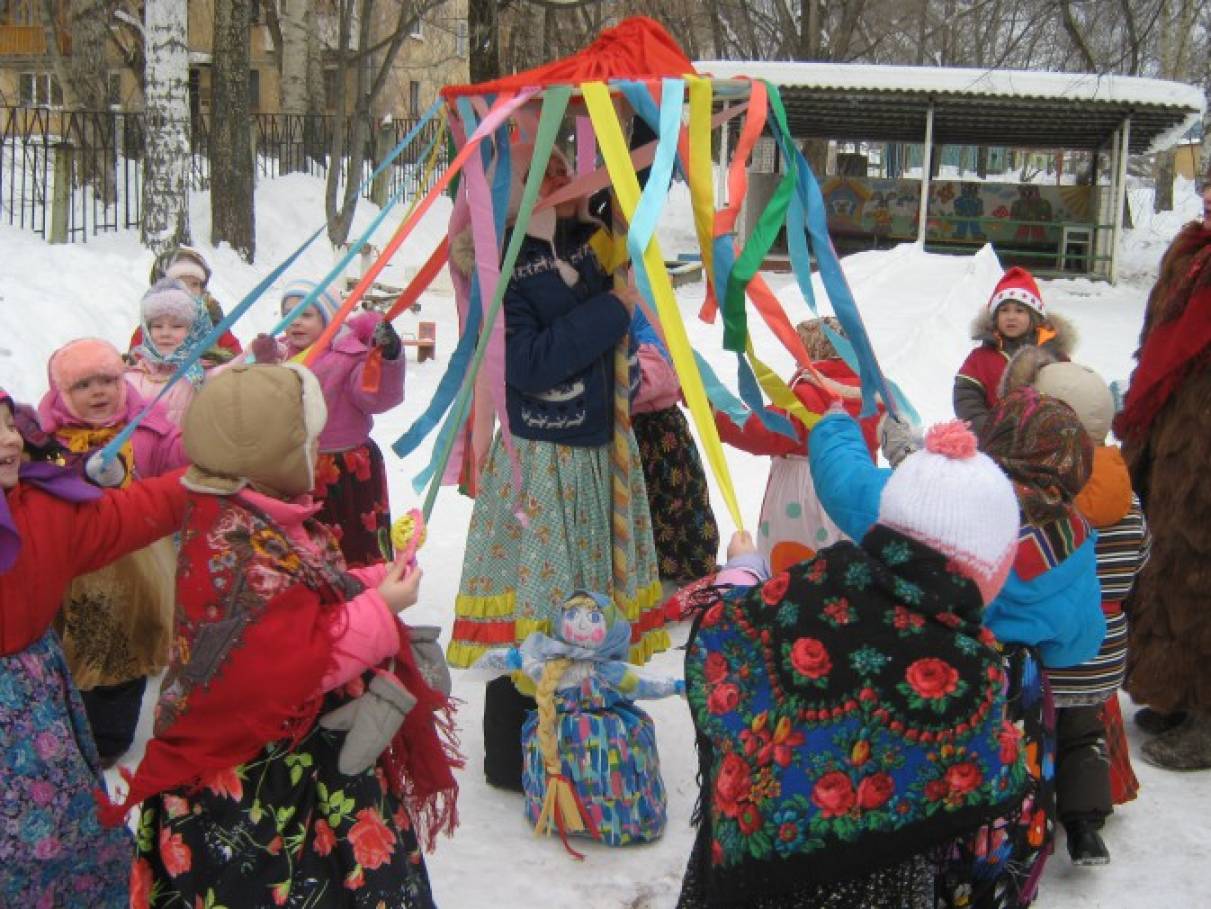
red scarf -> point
(257, 614)
(1170, 349)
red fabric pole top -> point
(636, 48)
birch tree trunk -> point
(166, 98)
(293, 16)
(231, 186)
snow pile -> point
(918, 308)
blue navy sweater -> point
(1059, 611)
(559, 342)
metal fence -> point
(69, 175)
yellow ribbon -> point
(626, 187)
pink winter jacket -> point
(658, 385)
(369, 632)
(156, 443)
(339, 369)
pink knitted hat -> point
(83, 359)
(79, 360)
(955, 500)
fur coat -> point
(1169, 657)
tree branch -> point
(1074, 34)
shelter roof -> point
(973, 106)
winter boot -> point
(1085, 844)
(1186, 747)
(1154, 722)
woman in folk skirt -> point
(350, 478)
(687, 537)
(562, 324)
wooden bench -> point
(379, 297)
(425, 341)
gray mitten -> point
(898, 439)
(108, 474)
(369, 723)
(430, 659)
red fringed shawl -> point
(1177, 331)
(255, 630)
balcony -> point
(28, 41)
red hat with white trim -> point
(1017, 286)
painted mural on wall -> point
(1009, 213)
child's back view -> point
(1014, 318)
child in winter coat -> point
(850, 710)
(1086, 761)
(793, 525)
(351, 477)
(116, 623)
(54, 527)
(683, 524)
(1047, 614)
(187, 265)
(173, 322)
(1014, 318)
(248, 795)
(563, 323)
(587, 733)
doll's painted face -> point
(582, 623)
(167, 334)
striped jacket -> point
(1122, 549)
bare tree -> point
(166, 101)
(232, 217)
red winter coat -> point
(60, 540)
(755, 438)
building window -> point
(460, 39)
(254, 90)
(330, 89)
(40, 90)
(254, 11)
(418, 29)
(113, 90)
(414, 99)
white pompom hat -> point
(956, 500)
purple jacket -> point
(156, 443)
(339, 370)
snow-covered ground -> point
(917, 308)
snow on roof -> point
(1164, 110)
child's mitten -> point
(105, 473)
(429, 657)
(265, 350)
(386, 339)
(898, 439)
(369, 722)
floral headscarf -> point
(1041, 445)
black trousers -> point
(505, 710)
(113, 714)
(1082, 772)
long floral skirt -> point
(285, 829)
(516, 576)
(53, 852)
(607, 750)
(353, 488)
(683, 524)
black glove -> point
(387, 340)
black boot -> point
(505, 711)
(1154, 722)
(1085, 844)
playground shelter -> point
(1049, 228)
